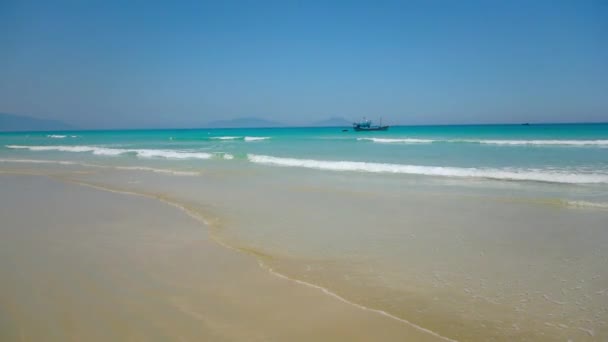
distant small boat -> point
(366, 125)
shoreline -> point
(248, 213)
(196, 216)
(378, 314)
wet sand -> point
(83, 264)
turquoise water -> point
(573, 153)
(493, 232)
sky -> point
(153, 64)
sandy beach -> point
(79, 264)
(92, 251)
(304, 171)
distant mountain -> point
(249, 122)
(10, 122)
(333, 122)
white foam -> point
(543, 142)
(60, 136)
(247, 138)
(586, 204)
(226, 138)
(398, 140)
(538, 142)
(144, 153)
(93, 149)
(498, 174)
(256, 138)
(223, 155)
(169, 154)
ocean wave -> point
(543, 142)
(488, 173)
(66, 148)
(225, 138)
(398, 140)
(246, 138)
(256, 138)
(538, 142)
(171, 154)
(60, 136)
(144, 153)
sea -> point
(471, 232)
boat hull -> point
(364, 129)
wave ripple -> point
(144, 153)
(489, 173)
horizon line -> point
(299, 126)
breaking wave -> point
(398, 140)
(256, 138)
(246, 138)
(572, 143)
(105, 151)
(488, 173)
(544, 142)
(566, 176)
(60, 136)
(225, 138)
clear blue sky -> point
(101, 64)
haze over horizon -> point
(115, 65)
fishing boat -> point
(366, 125)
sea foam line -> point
(60, 136)
(537, 142)
(128, 168)
(360, 306)
(497, 174)
(398, 140)
(246, 138)
(256, 138)
(144, 153)
(587, 204)
(543, 142)
(225, 138)
(198, 217)
(38, 161)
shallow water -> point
(485, 232)
(81, 263)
